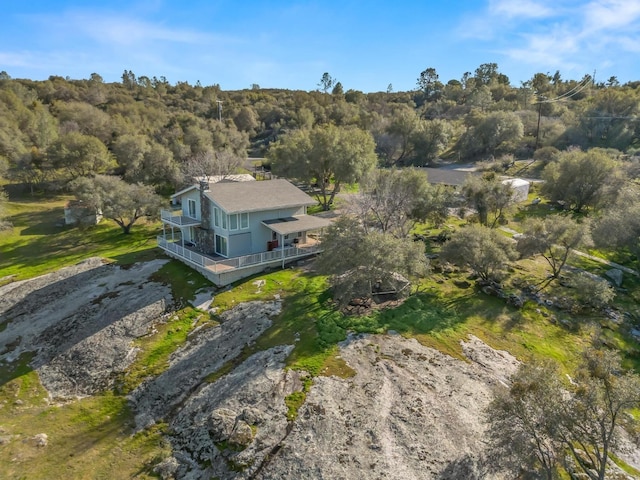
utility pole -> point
(540, 97)
(219, 102)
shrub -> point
(592, 291)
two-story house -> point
(228, 230)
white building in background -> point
(520, 188)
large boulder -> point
(167, 468)
(615, 276)
(242, 434)
(221, 424)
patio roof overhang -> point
(297, 223)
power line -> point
(586, 82)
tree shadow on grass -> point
(419, 314)
(50, 250)
(44, 222)
(11, 370)
(62, 312)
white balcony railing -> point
(176, 218)
(244, 261)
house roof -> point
(516, 182)
(240, 177)
(183, 191)
(236, 197)
(236, 177)
(446, 176)
(297, 223)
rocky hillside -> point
(408, 412)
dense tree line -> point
(145, 129)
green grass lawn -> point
(91, 438)
(37, 244)
(440, 315)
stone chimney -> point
(205, 206)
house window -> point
(244, 220)
(192, 208)
(221, 246)
(216, 217)
(233, 222)
(224, 220)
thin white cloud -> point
(81, 42)
(520, 9)
(121, 29)
(551, 49)
(630, 44)
(15, 59)
(502, 16)
(611, 14)
(564, 34)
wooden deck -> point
(219, 264)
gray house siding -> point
(241, 235)
(255, 239)
(261, 235)
(239, 241)
(240, 244)
(192, 195)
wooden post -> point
(282, 246)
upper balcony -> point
(177, 219)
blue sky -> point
(366, 45)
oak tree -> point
(325, 156)
(488, 196)
(359, 261)
(393, 201)
(522, 421)
(122, 202)
(553, 238)
(484, 250)
(619, 224)
(539, 413)
(209, 164)
(80, 155)
(581, 180)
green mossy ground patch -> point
(39, 244)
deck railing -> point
(243, 261)
(185, 253)
(177, 218)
